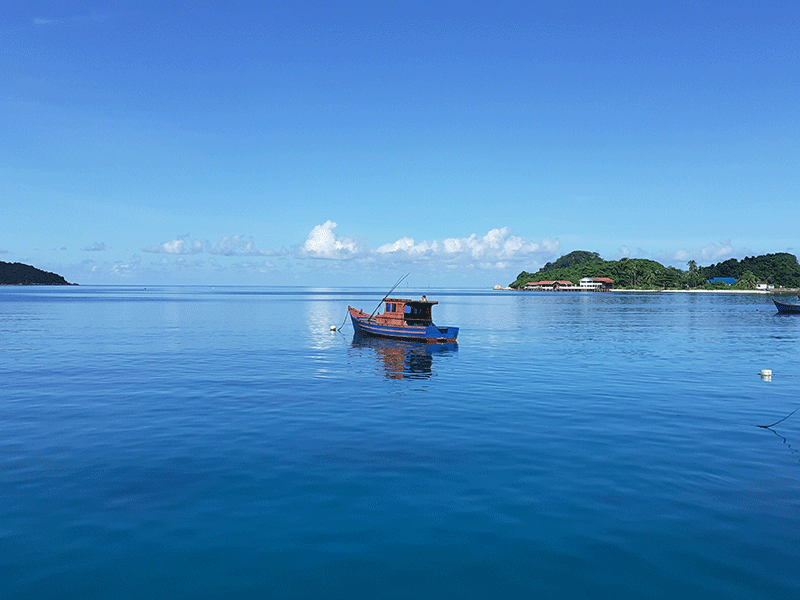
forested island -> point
(21, 274)
(780, 270)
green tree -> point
(779, 269)
(748, 280)
(695, 277)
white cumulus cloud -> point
(322, 242)
(234, 245)
(499, 249)
(493, 250)
(407, 246)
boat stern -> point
(441, 335)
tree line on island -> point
(780, 269)
(22, 274)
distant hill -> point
(20, 274)
(570, 260)
(627, 272)
(781, 269)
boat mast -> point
(399, 281)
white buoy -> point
(333, 327)
(766, 374)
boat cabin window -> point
(391, 307)
(418, 313)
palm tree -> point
(694, 275)
(630, 271)
(748, 280)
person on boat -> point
(424, 298)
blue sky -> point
(347, 143)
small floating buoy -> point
(766, 374)
(333, 327)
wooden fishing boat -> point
(786, 309)
(404, 319)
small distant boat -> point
(404, 319)
(786, 309)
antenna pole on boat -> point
(399, 281)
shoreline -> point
(772, 291)
(637, 291)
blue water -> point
(192, 442)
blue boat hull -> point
(430, 334)
(787, 309)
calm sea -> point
(199, 442)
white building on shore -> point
(596, 284)
(587, 284)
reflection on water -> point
(400, 360)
